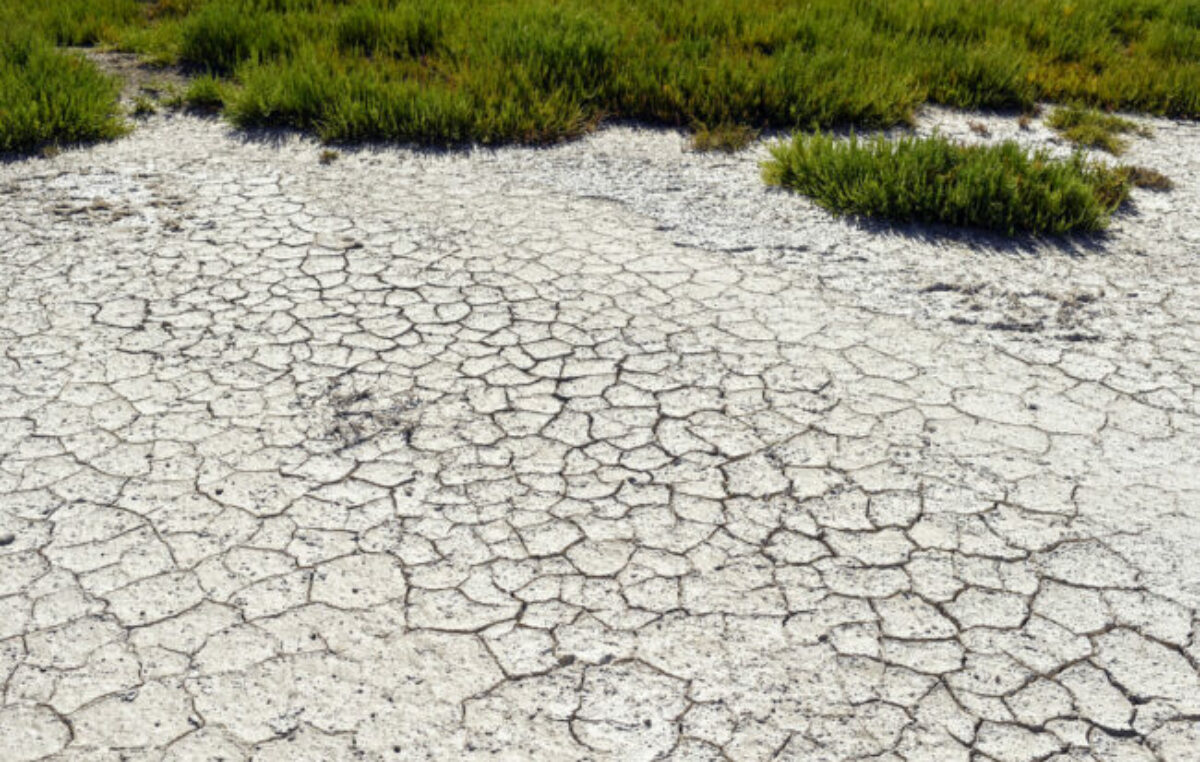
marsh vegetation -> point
(534, 71)
(448, 71)
(1001, 187)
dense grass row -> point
(453, 71)
(536, 70)
(999, 187)
(69, 22)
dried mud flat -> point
(602, 451)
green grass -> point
(48, 97)
(448, 71)
(1089, 128)
(69, 22)
(204, 93)
(999, 187)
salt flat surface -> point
(601, 451)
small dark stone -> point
(7, 538)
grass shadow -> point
(1074, 245)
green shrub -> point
(51, 97)
(1002, 187)
(1092, 129)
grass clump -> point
(999, 187)
(1089, 128)
(70, 22)
(204, 93)
(49, 97)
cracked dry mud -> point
(596, 452)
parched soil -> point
(602, 451)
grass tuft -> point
(49, 97)
(1089, 128)
(204, 93)
(999, 187)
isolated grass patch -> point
(1002, 187)
(1089, 128)
(50, 97)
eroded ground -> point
(597, 452)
